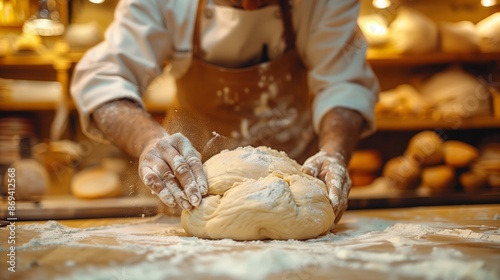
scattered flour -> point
(169, 253)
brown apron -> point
(266, 104)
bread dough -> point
(259, 193)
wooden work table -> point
(447, 242)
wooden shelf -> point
(27, 106)
(48, 59)
(387, 58)
(418, 123)
(380, 195)
(374, 56)
(27, 60)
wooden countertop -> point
(447, 242)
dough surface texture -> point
(259, 193)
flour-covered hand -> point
(171, 167)
(333, 171)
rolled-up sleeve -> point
(122, 66)
(335, 54)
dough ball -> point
(259, 193)
(426, 148)
(402, 173)
(459, 154)
(31, 180)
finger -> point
(341, 213)
(346, 188)
(149, 177)
(167, 198)
(185, 177)
(311, 166)
(150, 168)
(193, 160)
(181, 169)
(170, 181)
(180, 197)
(334, 184)
(198, 173)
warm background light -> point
(488, 3)
(97, 1)
(382, 4)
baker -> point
(251, 72)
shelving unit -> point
(386, 58)
(417, 123)
(46, 67)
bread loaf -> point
(95, 182)
(459, 37)
(402, 173)
(438, 178)
(426, 148)
(494, 180)
(473, 181)
(361, 178)
(459, 154)
(31, 180)
(365, 160)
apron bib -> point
(265, 104)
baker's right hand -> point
(171, 167)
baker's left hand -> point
(333, 171)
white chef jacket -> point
(145, 34)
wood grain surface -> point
(454, 242)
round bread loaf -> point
(365, 160)
(494, 180)
(473, 181)
(361, 178)
(426, 148)
(438, 178)
(31, 180)
(459, 154)
(95, 182)
(402, 173)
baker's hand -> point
(331, 170)
(171, 167)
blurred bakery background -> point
(438, 118)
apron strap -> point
(285, 15)
(197, 51)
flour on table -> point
(169, 253)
